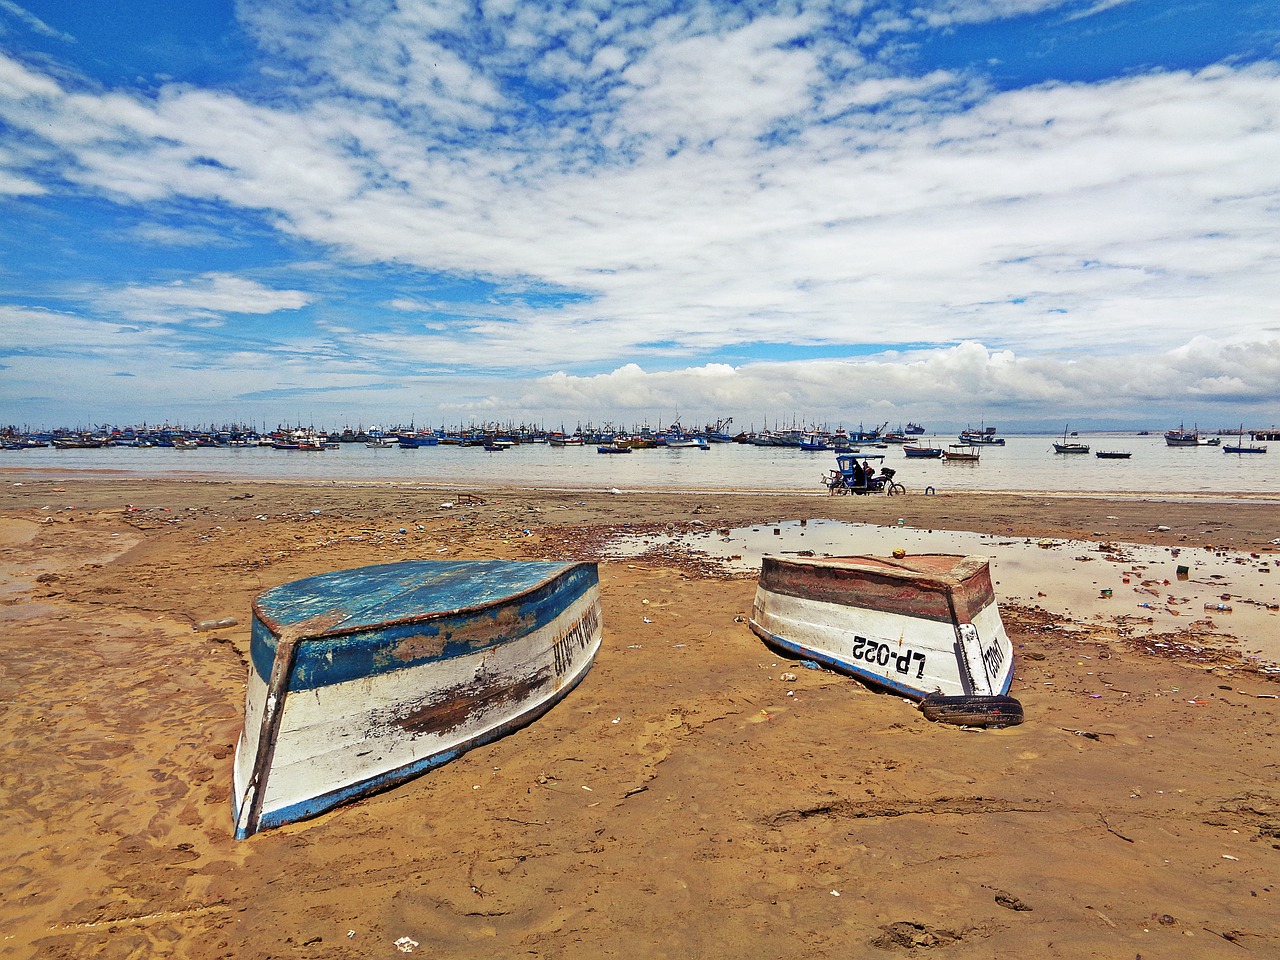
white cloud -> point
(32, 22)
(210, 296)
(707, 182)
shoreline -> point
(698, 794)
(51, 475)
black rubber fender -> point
(994, 712)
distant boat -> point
(982, 437)
(921, 451)
(79, 443)
(1185, 438)
(362, 679)
(612, 448)
(1112, 455)
(1243, 447)
(1069, 446)
(411, 441)
(914, 429)
(919, 626)
(960, 453)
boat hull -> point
(918, 626)
(363, 679)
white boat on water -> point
(362, 679)
(919, 626)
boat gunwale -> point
(303, 629)
(891, 568)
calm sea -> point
(1025, 463)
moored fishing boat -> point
(362, 679)
(921, 451)
(919, 626)
(1184, 438)
(1066, 445)
(961, 453)
(984, 436)
(1241, 447)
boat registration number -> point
(883, 654)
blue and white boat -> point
(362, 679)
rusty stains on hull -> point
(454, 707)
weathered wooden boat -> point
(362, 679)
(961, 453)
(919, 626)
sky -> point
(1017, 212)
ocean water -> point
(1025, 463)
(1154, 589)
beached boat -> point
(362, 679)
(918, 626)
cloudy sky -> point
(1013, 211)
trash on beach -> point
(205, 625)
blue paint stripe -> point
(373, 595)
(331, 659)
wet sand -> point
(685, 800)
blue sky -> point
(1019, 211)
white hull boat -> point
(919, 626)
(362, 679)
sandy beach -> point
(685, 801)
